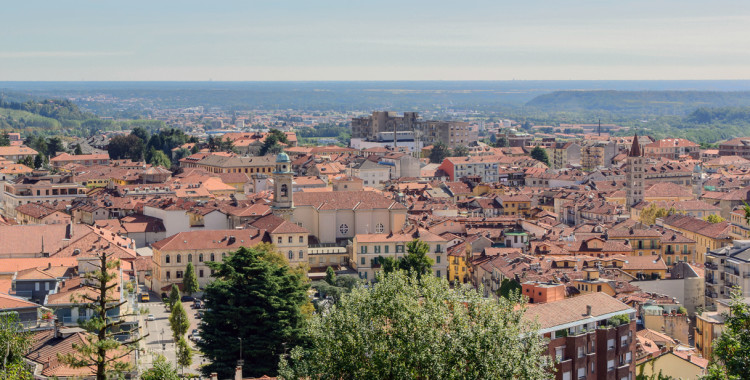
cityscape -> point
(244, 191)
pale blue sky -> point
(374, 40)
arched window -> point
(290, 240)
(223, 255)
(166, 259)
(291, 255)
(168, 275)
(200, 258)
(379, 228)
(284, 190)
(179, 259)
(213, 258)
(190, 258)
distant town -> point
(627, 250)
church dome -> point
(283, 157)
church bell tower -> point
(283, 199)
(634, 175)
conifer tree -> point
(178, 321)
(190, 280)
(255, 297)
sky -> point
(160, 40)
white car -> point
(150, 317)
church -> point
(334, 216)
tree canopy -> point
(401, 328)
(258, 298)
(439, 152)
(731, 351)
(190, 280)
(539, 154)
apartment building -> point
(451, 133)
(591, 336)
(564, 154)
(16, 153)
(671, 148)
(43, 189)
(171, 255)
(485, 167)
(727, 270)
(368, 248)
(596, 154)
(63, 159)
(739, 146)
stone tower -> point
(697, 181)
(634, 175)
(283, 199)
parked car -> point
(199, 315)
(187, 298)
(197, 304)
(150, 317)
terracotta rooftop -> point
(553, 315)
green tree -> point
(271, 144)
(39, 161)
(460, 151)
(402, 329)
(190, 280)
(100, 350)
(141, 133)
(130, 147)
(28, 161)
(178, 321)
(54, 146)
(258, 298)
(5, 139)
(330, 276)
(416, 262)
(78, 151)
(160, 369)
(184, 353)
(509, 289)
(539, 154)
(713, 218)
(15, 343)
(439, 152)
(731, 351)
(388, 264)
(174, 295)
(158, 158)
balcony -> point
(712, 266)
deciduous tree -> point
(439, 152)
(539, 154)
(14, 344)
(178, 321)
(401, 328)
(731, 351)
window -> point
(190, 258)
(200, 273)
(168, 275)
(213, 258)
(289, 240)
(291, 255)
(623, 340)
(580, 351)
(278, 240)
(363, 249)
(581, 372)
(301, 254)
(46, 286)
(223, 255)
(200, 258)
(628, 358)
(610, 364)
(377, 249)
(566, 375)
(437, 259)
(437, 273)
(301, 239)
(179, 259)
(379, 228)
(284, 190)
(559, 353)
(399, 249)
(438, 248)
(362, 261)
(178, 274)
(166, 259)
(386, 249)
(610, 344)
(344, 229)
(36, 286)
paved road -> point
(159, 339)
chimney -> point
(238, 373)
(214, 376)
(588, 310)
(49, 265)
(56, 326)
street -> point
(159, 339)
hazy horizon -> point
(384, 41)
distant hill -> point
(637, 103)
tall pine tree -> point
(190, 280)
(255, 297)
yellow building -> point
(656, 192)
(676, 364)
(591, 283)
(645, 267)
(740, 228)
(515, 204)
(642, 241)
(708, 327)
(368, 248)
(707, 236)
